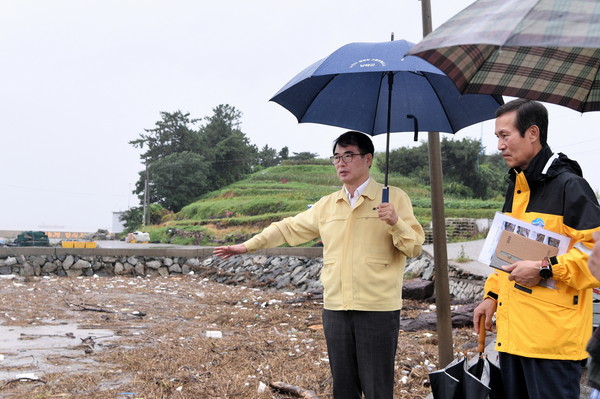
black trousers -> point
(362, 348)
(531, 378)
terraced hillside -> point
(242, 209)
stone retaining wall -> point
(460, 229)
(279, 269)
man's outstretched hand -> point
(230, 250)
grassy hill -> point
(240, 210)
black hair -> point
(529, 113)
(352, 137)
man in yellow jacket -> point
(593, 347)
(542, 328)
(365, 246)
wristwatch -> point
(546, 268)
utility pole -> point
(145, 208)
(440, 251)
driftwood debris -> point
(85, 307)
(294, 390)
(92, 308)
(461, 317)
(24, 379)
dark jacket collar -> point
(535, 170)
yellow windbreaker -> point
(363, 257)
(543, 322)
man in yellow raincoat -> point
(593, 347)
(542, 329)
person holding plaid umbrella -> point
(542, 328)
(593, 346)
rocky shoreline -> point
(292, 273)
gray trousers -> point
(362, 348)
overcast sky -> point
(82, 78)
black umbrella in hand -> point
(459, 380)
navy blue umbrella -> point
(375, 89)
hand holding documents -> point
(512, 247)
(511, 240)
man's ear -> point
(534, 133)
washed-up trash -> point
(261, 387)
(214, 334)
(138, 236)
(138, 313)
(26, 376)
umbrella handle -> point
(385, 195)
(416, 123)
(481, 337)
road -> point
(123, 244)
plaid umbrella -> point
(546, 50)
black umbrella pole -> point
(385, 197)
(386, 192)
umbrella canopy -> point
(545, 50)
(350, 89)
(375, 89)
(461, 380)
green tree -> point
(467, 170)
(132, 219)
(304, 156)
(267, 157)
(465, 162)
(461, 163)
(284, 153)
(227, 147)
(185, 161)
(224, 122)
(413, 162)
(178, 179)
(495, 172)
(173, 133)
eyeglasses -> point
(346, 157)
